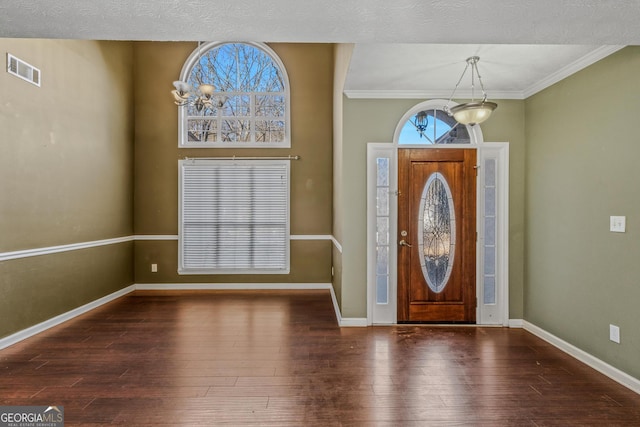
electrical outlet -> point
(154, 268)
(614, 333)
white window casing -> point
(251, 115)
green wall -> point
(66, 176)
(310, 70)
(375, 120)
(582, 167)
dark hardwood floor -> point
(279, 358)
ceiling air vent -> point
(21, 69)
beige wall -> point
(582, 167)
(310, 70)
(66, 176)
(375, 120)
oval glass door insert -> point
(436, 232)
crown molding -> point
(426, 94)
(577, 65)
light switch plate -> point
(614, 333)
(618, 224)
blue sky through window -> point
(410, 135)
(237, 67)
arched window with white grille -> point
(250, 100)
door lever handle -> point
(403, 243)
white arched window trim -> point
(192, 60)
(475, 132)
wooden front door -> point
(437, 235)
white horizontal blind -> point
(234, 217)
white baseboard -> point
(54, 321)
(353, 322)
(342, 321)
(346, 322)
(614, 373)
(228, 286)
(515, 323)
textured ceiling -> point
(432, 70)
(399, 43)
(357, 21)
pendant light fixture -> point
(200, 97)
(473, 112)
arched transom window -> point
(428, 124)
(250, 105)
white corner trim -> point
(336, 307)
(577, 65)
(54, 321)
(515, 323)
(336, 244)
(317, 237)
(346, 322)
(5, 256)
(229, 286)
(610, 371)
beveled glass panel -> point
(490, 260)
(382, 289)
(382, 164)
(382, 232)
(490, 172)
(436, 232)
(490, 201)
(382, 261)
(490, 231)
(489, 289)
(382, 201)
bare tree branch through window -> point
(252, 94)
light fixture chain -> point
(474, 69)
(484, 94)
(459, 81)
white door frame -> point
(486, 314)
(497, 313)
